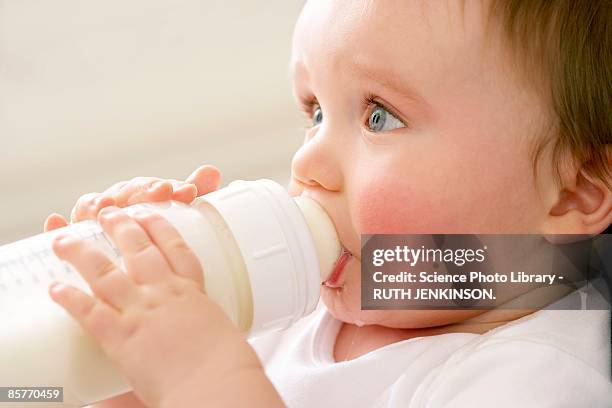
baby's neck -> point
(354, 341)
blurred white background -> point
(94, 92)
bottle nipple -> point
(324, 234)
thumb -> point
(54, 221)
(206, 178)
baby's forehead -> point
(416, 40)
(390, 23)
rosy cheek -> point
(383, 207)
(391, 206)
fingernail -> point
(62, 239)
(56, 287)
(155, 185)
(141, 213)
(61, 242)
(186, 186)
(107, 211)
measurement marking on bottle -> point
(110, 244)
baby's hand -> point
(140, 190)
(154, 321)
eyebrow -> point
(388, 80)
(384, 78)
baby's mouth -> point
(334, 280)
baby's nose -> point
(318, 162)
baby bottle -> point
(264, 255)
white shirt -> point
(551, 358)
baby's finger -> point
(54, 221)
(131, 188)
(143, 260)
(173, 247)
(206, 178)
(89, 205)
(98, 318)
(113, 190)
(157, 190)
(106, 281)
(82, 208)
(185, 193)
(98, 204)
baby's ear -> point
(583, 205)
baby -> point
(425, 117)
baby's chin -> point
(350, 312)
(333, 298)
(344, 304)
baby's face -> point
(417, 127)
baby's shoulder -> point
(583, 335)
(552, 355)
(576, 339)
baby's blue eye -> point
(381, 120)
(317, 116)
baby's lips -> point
(333, 281)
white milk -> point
(264, 257)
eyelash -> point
(370, 101)
(307, 105)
